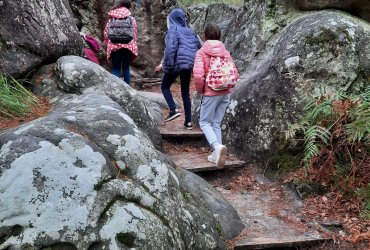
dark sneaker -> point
(188, 125)
(172, 115)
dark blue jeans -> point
(121, 59)
(168, 79)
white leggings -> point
(212, 111)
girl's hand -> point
(158, 68)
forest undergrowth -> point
(334, 172)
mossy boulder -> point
(325, 48)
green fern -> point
(320, 120)
(314, 137)
(359, 128)
(291, 132)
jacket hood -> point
(176, 18)
(214, 48)
(119, 13)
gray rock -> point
(253, 32)
(360, 8)
(33, 33)
(316, 49)
(323, 46)
(76, 75)
(86, 177)
(218, 13)
(45, 83)
(229, 221)
(156, 104)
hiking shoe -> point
(172, 115)
(212, 157)
(188, 125)
(220, 152)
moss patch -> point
(327, 36)
(219, 228)
(98, 186)
(282, 163)
(60, 246)
(4, 43)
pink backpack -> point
(221, 74)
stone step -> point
(198, 162)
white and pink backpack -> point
(221, 74)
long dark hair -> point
(121, 3)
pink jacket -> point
(132, 46)
(91, 52)
(201, 66)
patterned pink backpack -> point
(221, 74)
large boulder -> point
(318, 49)
(32, 33)
(230, 224)
(76, 75)
(360, 8)
(254, 30)
(152, 28)
(218, 13)
(86, 177)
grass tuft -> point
(18, 104)
(15, 100)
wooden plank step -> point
(180, 132)
(277, 243)
(272, 218)
(198, 162)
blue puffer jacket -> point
(181, 44)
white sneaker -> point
(212, 157)
(220, 152)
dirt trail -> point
(275, 217)
(269, 210)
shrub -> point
(336, 134)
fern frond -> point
(292, 130)
(311, 150)
(314, 132)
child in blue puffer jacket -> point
(181, 46)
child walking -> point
(181, 47)
(213, 57)
(121, 54)
(91, 45)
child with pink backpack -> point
(214, 74)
